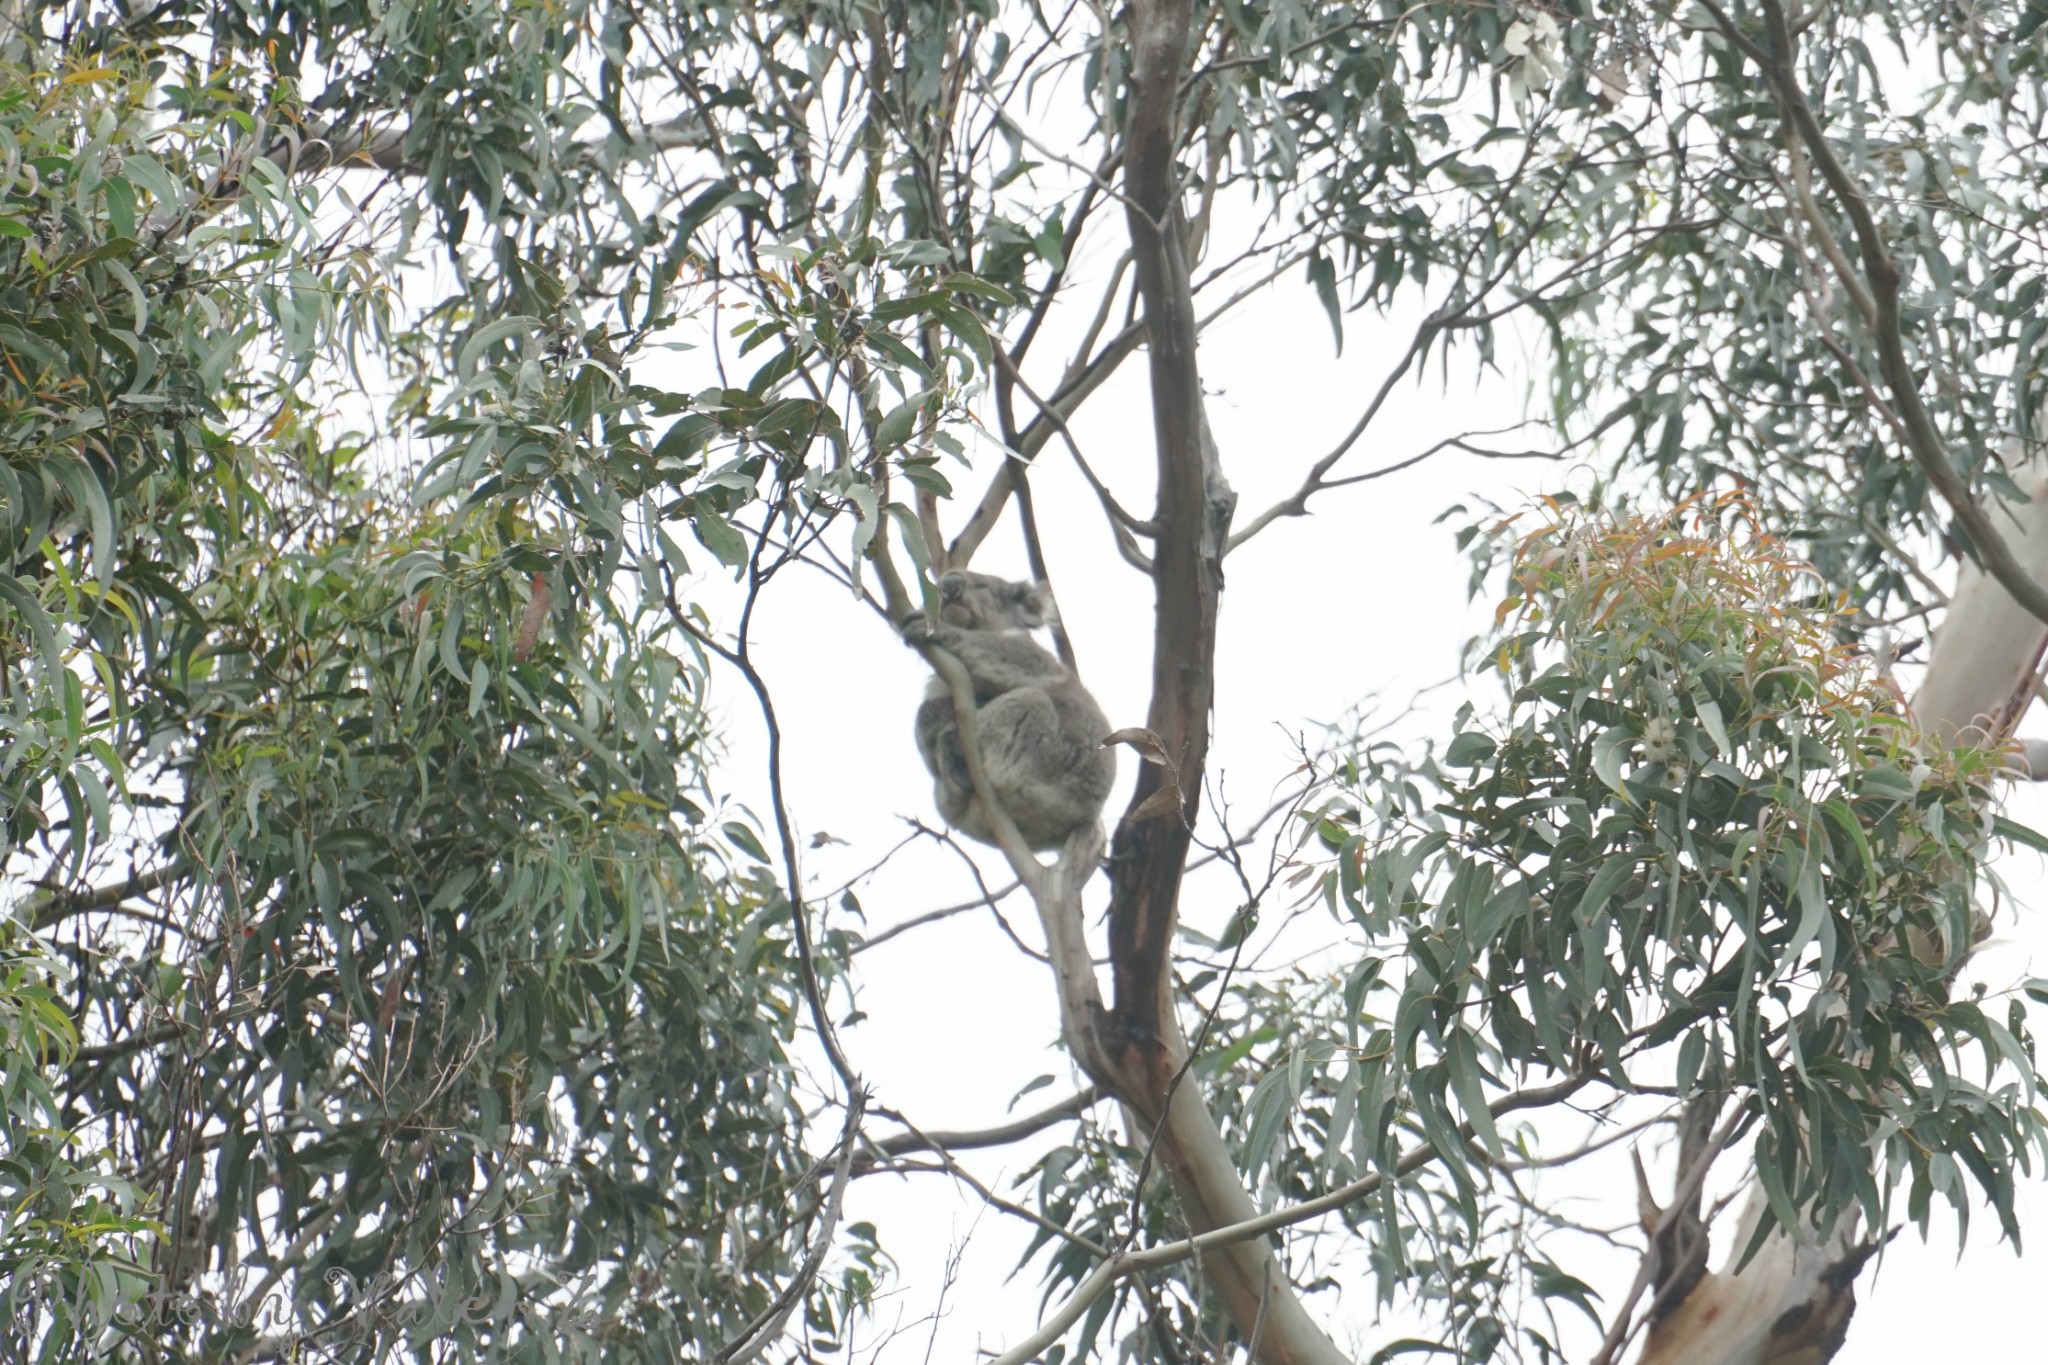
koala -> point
(1041, 733)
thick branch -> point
(1192, 517)
(986, 513)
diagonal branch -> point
(1121, 522)
(766, 1328)
(1880, 279)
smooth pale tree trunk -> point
(1791, 1304)
(1988, 650)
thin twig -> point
(766, 1328)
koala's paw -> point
(917, 630)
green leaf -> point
(1550, 1282)
(1709, 713)
(716, 534)
(1608, 751)
(912, 536)
(895, 429)
(17, 595)
(1692, 1055)
(970, 284)
(719, 197)
(2010, 1049)
(1467, 1081)
(491, 334)
(924, 474)
(1508, 903)
(1844, 818)
(1323, 275)
(1613, 874)
(1813, 909)
(2012, 831)
(745, 840)
(91, 499)
(120, 197)
(1468, 749)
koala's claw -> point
(916, 629)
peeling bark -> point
(1789, 1306)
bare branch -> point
(940, 1140)
(1297, 505)
(1121, 522)
(986, 513)
(50, 905)
(1080, 381)
(1058, 419)
(987, 898)
(740, 657)
(1086, 347)
(1823, 235)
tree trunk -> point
(1135, 1049)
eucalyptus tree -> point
(380, 968)
(435, 958)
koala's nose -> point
(952, 587)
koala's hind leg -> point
(1049, 777)
(938, 739)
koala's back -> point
(982, 601)
(1001, 661)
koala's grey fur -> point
(1041, 733)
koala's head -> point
(980, 601)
